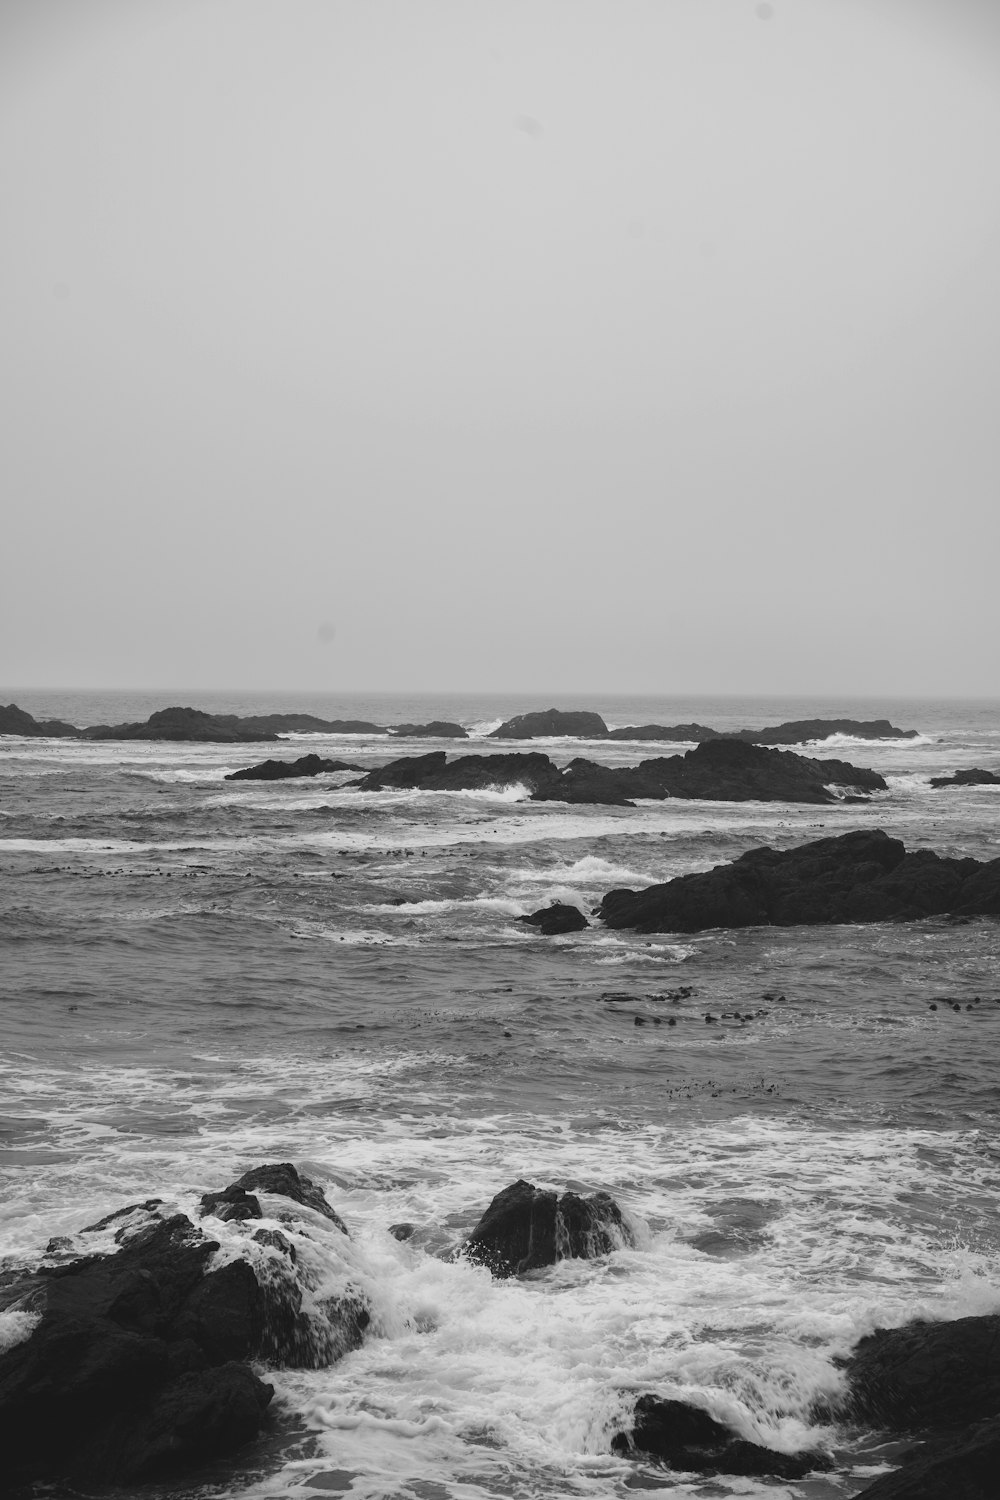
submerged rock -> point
(557, 918)
(972, 777)
(526, 1228)
(578, 724)
(857, 877)
(280, 770)
(136, 1366)
(687, 1438)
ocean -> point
(199, 975)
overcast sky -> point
(500, 344)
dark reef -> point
(721, 770)
(857, 877)
(283, 770)
(526, 1227)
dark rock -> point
(280, 770)
(687, 1438)
(526, 1228)
(235, 1203)
(857, 877)
(182, 724)
(14, 720)
(927, 1375)
(972, 777)
(573, 724)
(438, 729)
(723, 770)
(433, 772)
(675, 734)
(284, 1180)
(129, 1373)
(962, 1467)
(402, 1231)
(557, 918)
(797, 731)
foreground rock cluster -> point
(857, 877)
(722, 770)
(138, 1366)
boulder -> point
(687, 1438)
(972, 777)
(864, 876)
(552, 722)
(557, 918)
(675, 734)
(526, 1228)
(136, 1367)
(281, 770)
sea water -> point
(199, 975)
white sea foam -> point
(15, 1327)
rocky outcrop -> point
(687, 1438)
(674, 734)
(437, 729)
(973, 777)
(557, 918)
(722, 770)
(433, 772)
(181, 724)
(526, 1228)
(798, 731)
(958, 1467)
(283, 770)
(137, 1365)
(717, 770)
(941, 1380)
(566, 724)
(857, 877)
(927, 1375)
(14, 720)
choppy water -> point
(198, 975)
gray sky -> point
(499, 344)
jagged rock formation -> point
(137, 1365)
(722, 770)
(857, 877)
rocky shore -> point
(146, 1340)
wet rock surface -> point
(687, 1438)
(281, 770)
(857, 877)
(137, 1365)
(557, 918)
(526, 1228)
(552, 722)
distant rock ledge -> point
(973, 777)
(857, 877)
(557, 723)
